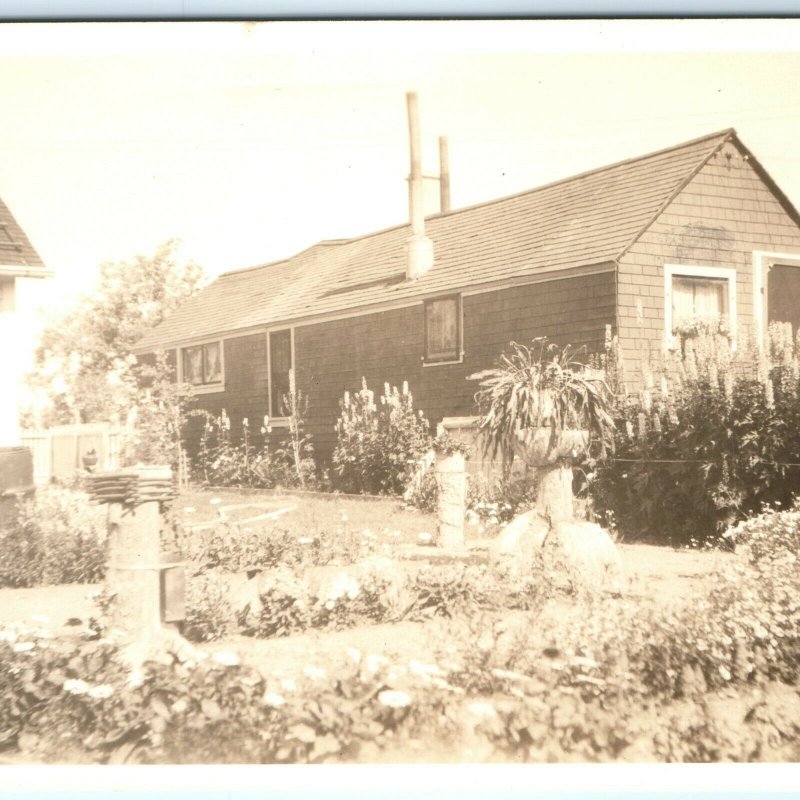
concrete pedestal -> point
(451, 477)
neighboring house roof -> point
(15, 248)
(588, 219)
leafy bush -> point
(221, 461)
(233, 548)
(492, 500)
(712, 436)
(378, 444)
(59, 537)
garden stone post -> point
(133, 571)
(451, 477)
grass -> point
(389, 520)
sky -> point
(251, 141)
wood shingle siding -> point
(724, 214)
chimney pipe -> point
(419, 247)
(444, 175)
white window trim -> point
(763, 261)
(278, 422)
(696, 271)
(460, 303)
(204, 388)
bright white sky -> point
(252, 141)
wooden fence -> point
(58, 452)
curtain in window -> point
(213, 363)
(698, 297)
(193, 365)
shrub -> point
(712, 436)
(378, 444)
(59, 537)
(233, 548)
(221, 461)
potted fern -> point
(542, 405)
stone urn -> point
(552, 453)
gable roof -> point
(15, 248)
(588, 219)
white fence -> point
(58, 452)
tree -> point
(84, 365)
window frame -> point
(763, 261)
(274, 418)
(427, 361)
(202, 388)
(672, 271)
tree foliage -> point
(83, 364)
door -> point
(783, 294)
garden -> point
(334, 625)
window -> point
(697, 298)
(280, 363)
(443, 329)
(202, 364)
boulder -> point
(578, 553)
(516, 546)
(585, 555)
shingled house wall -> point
(333, 356)
(722, 215)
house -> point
(698, 228)
(21, 271)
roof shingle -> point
(15, 248)
(587, 219)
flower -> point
(215, 501)
(273, 699)
(189, 510)
(418, 668)
(394, 699)
(315, 673)
(354, 653)
(345, 517)
(136, 678)
(288, 685)
(179, 706)
(101, 692)
(40, 619)
(305, 540)
(375, 662)
(482, 710)
(23, 647)
(424, 537)
(8, 636)
(75, 686)
(226, 659)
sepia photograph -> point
(400, 393)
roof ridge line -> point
(594, 170)
(483, 203)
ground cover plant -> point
(708, 678)
(59, 537)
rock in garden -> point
(519, 541)
(585, 554)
